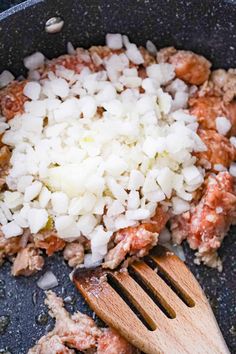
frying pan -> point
(205, 26)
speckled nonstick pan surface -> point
(207, 27)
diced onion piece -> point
(138, 214)
(5, 78)
(60, 202)
(34, 61)
(114, 40)
(32, 90)
(37, 219)
(232, 169)
(223, 125)
(136, 180)
(12, 229)
(179, 205)
(151, 47)
(60, 87)
(32, 191)
(192, 175)
(47, 281)
(134, 54)
(67, 228)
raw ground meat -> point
(74, 253)
(221, 83)
(78, 331)
(208, 222)
(136, 241)
(12, 99)
(5, 156)
(219, 150)
(28, 261)
(49, 241)
(208, 108)
(192, 68)
(8, 247)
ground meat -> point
(75, 62)
(208, 108)
(135, 241)
(207, 223)
(192, 68)
(231, 114)
(164, 54)
(219, 150)
(78, 332)
(8, 246)
(74, 253)
(221, 83)
(111, 342)
(148, 58)
(49, 241)
(5, 156)
(50, 344)
(28, 261)
(12, 99)
(104, 51)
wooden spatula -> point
(157, 305)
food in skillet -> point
(78, 331)
(102, 148)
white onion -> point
(219, 167)
(34, 61)
(114, 40)
(60, 87)
(134, 54)
(233, 140)
(151, 47)
(47, 281)
(11, 229)
(232, 169)
(163, 72)
(60, 202)
(70, 48)
(32, 90)
(37, 219)
(32, 191)
(179, 205)
(5, 78)
(137, 214)
(223, 125)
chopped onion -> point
(114, 40)
(5, 78)
(34, 61)
(47, 281)
(151, 47)
(223, 125)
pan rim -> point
(17, 8)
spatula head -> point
(156, 304)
